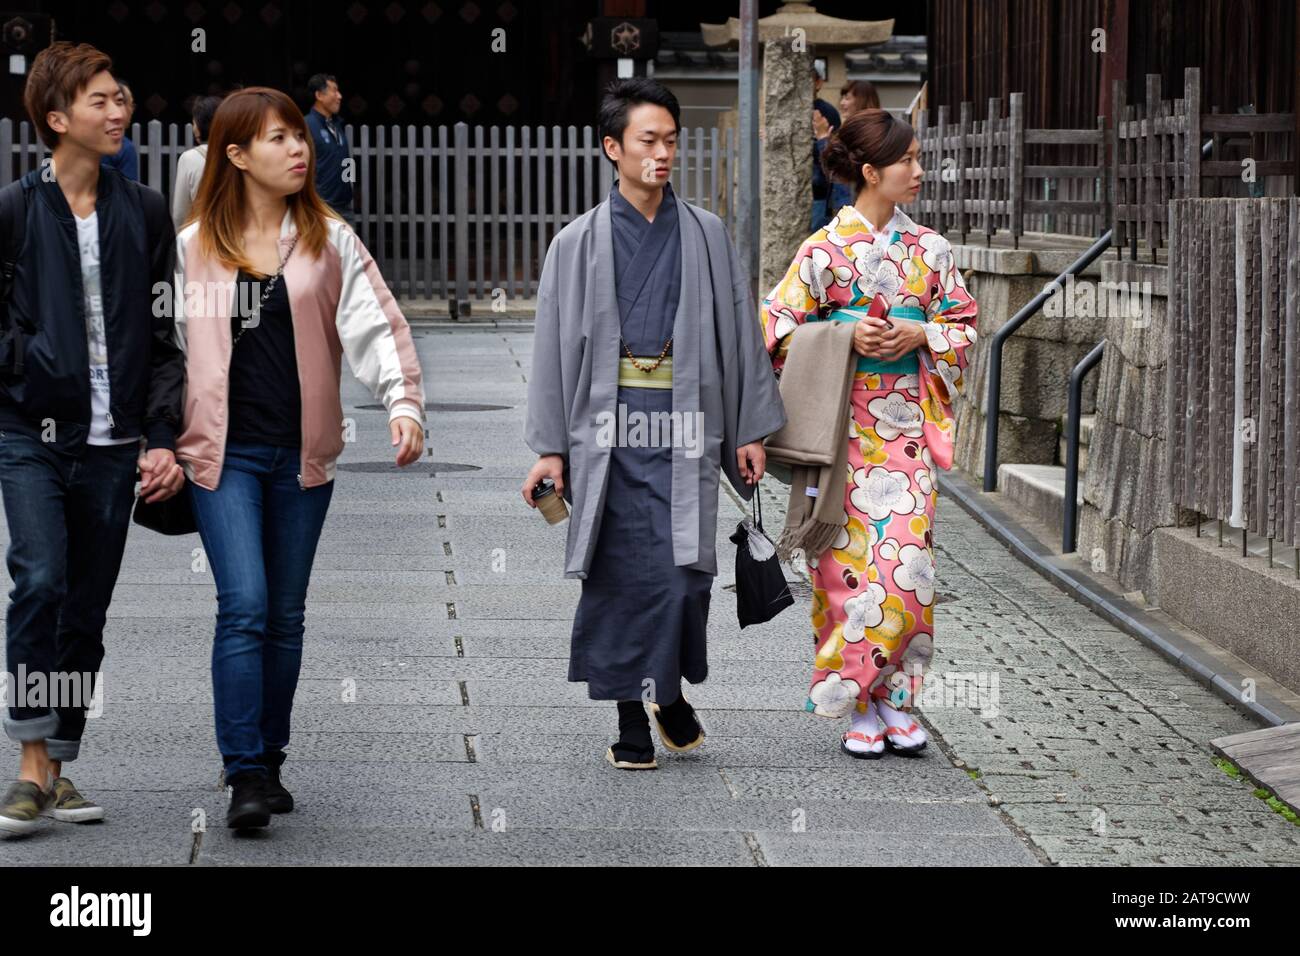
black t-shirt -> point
(265, 396)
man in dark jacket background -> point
(88, 370)
(334, 168)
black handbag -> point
(761, 589)
(172, 515)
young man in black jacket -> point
(88, 370)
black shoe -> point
(248, 805)
(278, 799)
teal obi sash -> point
(907, 364)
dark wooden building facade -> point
(398, 61)
(1245, 50)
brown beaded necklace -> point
(645, 368)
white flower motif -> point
(923, 480)
(816, 272)
(882, 280)
(866, 256)
(881, 492)
(835, 696)
(889, 549)
(895, 416)
(785, 322)
(920, 650)
(951, 374)
(863, 611)
(915, 572)
(936, 252)
(935, 338)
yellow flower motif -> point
(919, 525)
(934, 414)
(871, 445)
(845, 227)
(898, 620)
(858, 550)
(914, 273)
(927, 616)
(829, 656)
(796, 295)
(820, 604)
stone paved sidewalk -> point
(434, 723)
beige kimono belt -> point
(631, 376)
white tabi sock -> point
(902, 720)
(868, 724)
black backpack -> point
(13, 229)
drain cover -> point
(416, 467)
(445, 407)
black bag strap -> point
(756, 505)
(13, 229)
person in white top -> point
(189, 168)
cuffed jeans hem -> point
(242, 764)
(62, 749)
(32, 728)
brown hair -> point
(58, 74)
(870, 136)
(864, 92)
(219, 202)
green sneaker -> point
(68, 805)
(22, 807)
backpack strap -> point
(13, 227)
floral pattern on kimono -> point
(873, 588)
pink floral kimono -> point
(873, 589)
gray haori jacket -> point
(721, 370)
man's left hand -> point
(752, 459)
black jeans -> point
(68, 518)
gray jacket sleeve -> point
(546, 428)
(761, 411)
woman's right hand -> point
(548, 466)
(868, 334)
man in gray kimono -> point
(649, 378)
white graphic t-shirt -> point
(96, 341)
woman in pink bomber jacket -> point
(272, 288)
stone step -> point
(1085, 439)
(1038, 490)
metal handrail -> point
(1020, 318)
(1004, 333)
(1070, 526)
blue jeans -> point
(259, 530)
(68, 518)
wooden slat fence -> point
(454, 212)
(1233, 386)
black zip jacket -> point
(146, 370)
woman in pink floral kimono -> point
(873, 588)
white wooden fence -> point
(453, 212)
